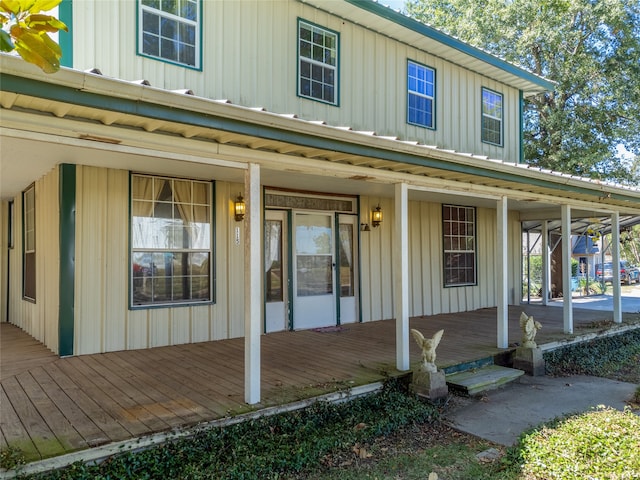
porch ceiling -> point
(75, 117)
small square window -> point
(420, 95)
(170, 30)
(317, 63)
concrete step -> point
(475, 381)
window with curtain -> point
(29, 239)
(171, 241)
(459, 239)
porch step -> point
(475, 381)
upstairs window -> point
(459, 238)
(171, 241)
(317, 63)
(420, 95)
(170, 30)
(491, 117)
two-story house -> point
(204, 170)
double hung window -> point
(171, 241)
(317, 63)
(170, 30)
(491, 117)
(29, 239)
(459, 238)
(420, 95)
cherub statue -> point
(428, 346)
(529, 330)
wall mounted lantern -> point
(239, 208)
(376, 216)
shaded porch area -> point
(52, 405)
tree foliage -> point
(591, 48)
(25, 29)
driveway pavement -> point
(502, 415)
(630, 301)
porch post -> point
(545, 262)
(252, 285)
(502, 275)
(615, 262)
(566, 268)
(401, 275)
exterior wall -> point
(250, 58)
(4, 257)
(103, 320)
(39, 319)
(428, 296)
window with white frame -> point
(459, 239)
(170, 30)
(317, 63)
(420, 95)
(171, 241)
(29, 243)
(491, 117)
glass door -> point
(314, 301)
(276, 275)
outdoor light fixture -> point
(364, 227)
(376, 216)
(239, 208)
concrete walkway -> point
(502, 415)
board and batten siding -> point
(39, 319)
(427, 295)
(103, 321)
(249, 57)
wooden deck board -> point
(119, 395)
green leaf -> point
(38, 49)
(44, 23)
(6, 45)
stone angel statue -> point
(428, 346)
(529, 329)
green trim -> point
(289, 254)
(521, 126)
(430, 32)
(336, 268)
(65, 39)
(66, 310)
(37, 88)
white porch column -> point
(502, 275)
(401, 275)
(615, 263)
(546, 263)
(252, 285)
(566, 268)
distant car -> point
(628, 273)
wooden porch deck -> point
(50, 406)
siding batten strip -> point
(66, 310)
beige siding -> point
(427, 296)
(103, 320)
(249, 58)
(4, 258)
(39, 319)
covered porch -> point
(52, 406)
